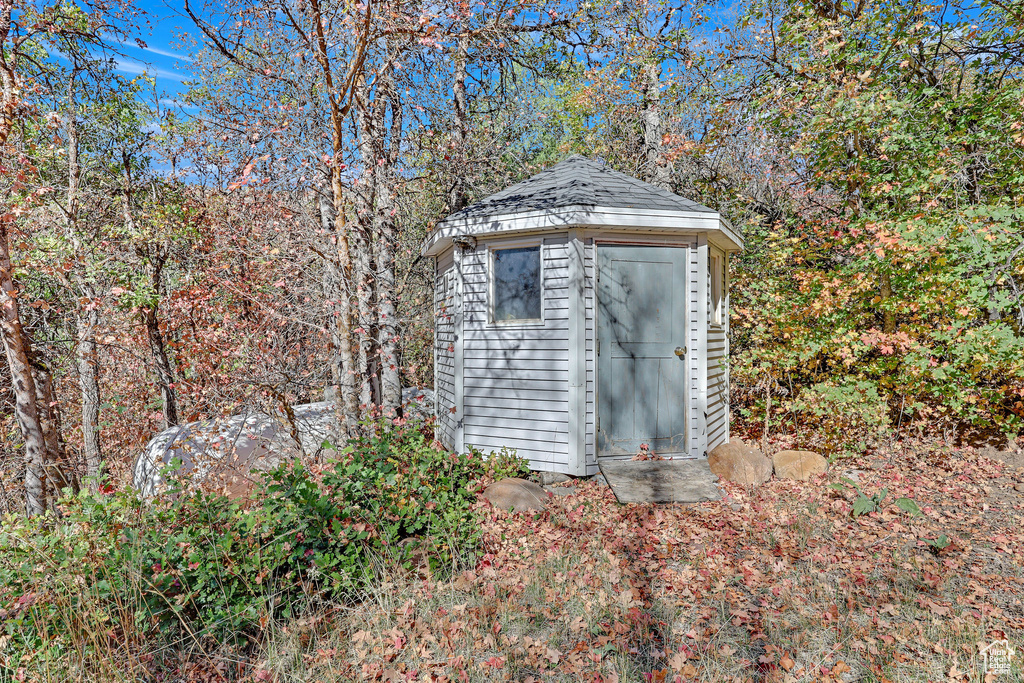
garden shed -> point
(580, 314)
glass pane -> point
(517, 284)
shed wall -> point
(516, 376)
(718, 369)
(445, 276)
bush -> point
(850, 415)
(202, 567)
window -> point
(716, 275)
(515, 284)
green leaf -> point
(863, 505)
(909, 506)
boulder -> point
(799, 465)
(516, 494)
(571, 490)
(228, 454)
(736, 461)
(549, 478)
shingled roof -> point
(578, 181)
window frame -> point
(716, 290)
(503, 246)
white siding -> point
(516, 377)
(512, 384)
(718, 369)
(694, 349)
(444, 348)
(590, 273)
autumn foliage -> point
(256, 245)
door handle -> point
(680, 351)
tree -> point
(900, 272)
(26, 31)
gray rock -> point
(599, 479)
(228, 453)
(687, 480)
(516, 494)
(417, 403)
(736, 461)
(560, 490)
(854, 475)
(549, 478)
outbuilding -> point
(580, 314)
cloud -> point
(154, 50)
(177, 104)
(137, 68)
(167, 53)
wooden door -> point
(641, 353)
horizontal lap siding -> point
(693, 343)
(718, 372)
(516, 377)
(717, 386)
(444, 348)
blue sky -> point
(163, 58)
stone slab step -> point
(661, 481)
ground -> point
(776, 583)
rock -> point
(549, 478)
(686, 480)
(599, 479)
(516, 494)
(417, 403)
(854, 475)
(227, 454)
(1019, 488)
(736, 461)
(560, 490)
(800, 465)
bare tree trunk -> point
(656, 170)
(86, 317)
(10, 102)
(334, 292)
(885, 292)
(369, 132)
(365, 298)
(16, 347)
(387, 239)
(154, 264)
(348, 404)
(87, 358)
(162, 365)
(61, 473)
(459, 195)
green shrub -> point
(197, 566)
(844, 416)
